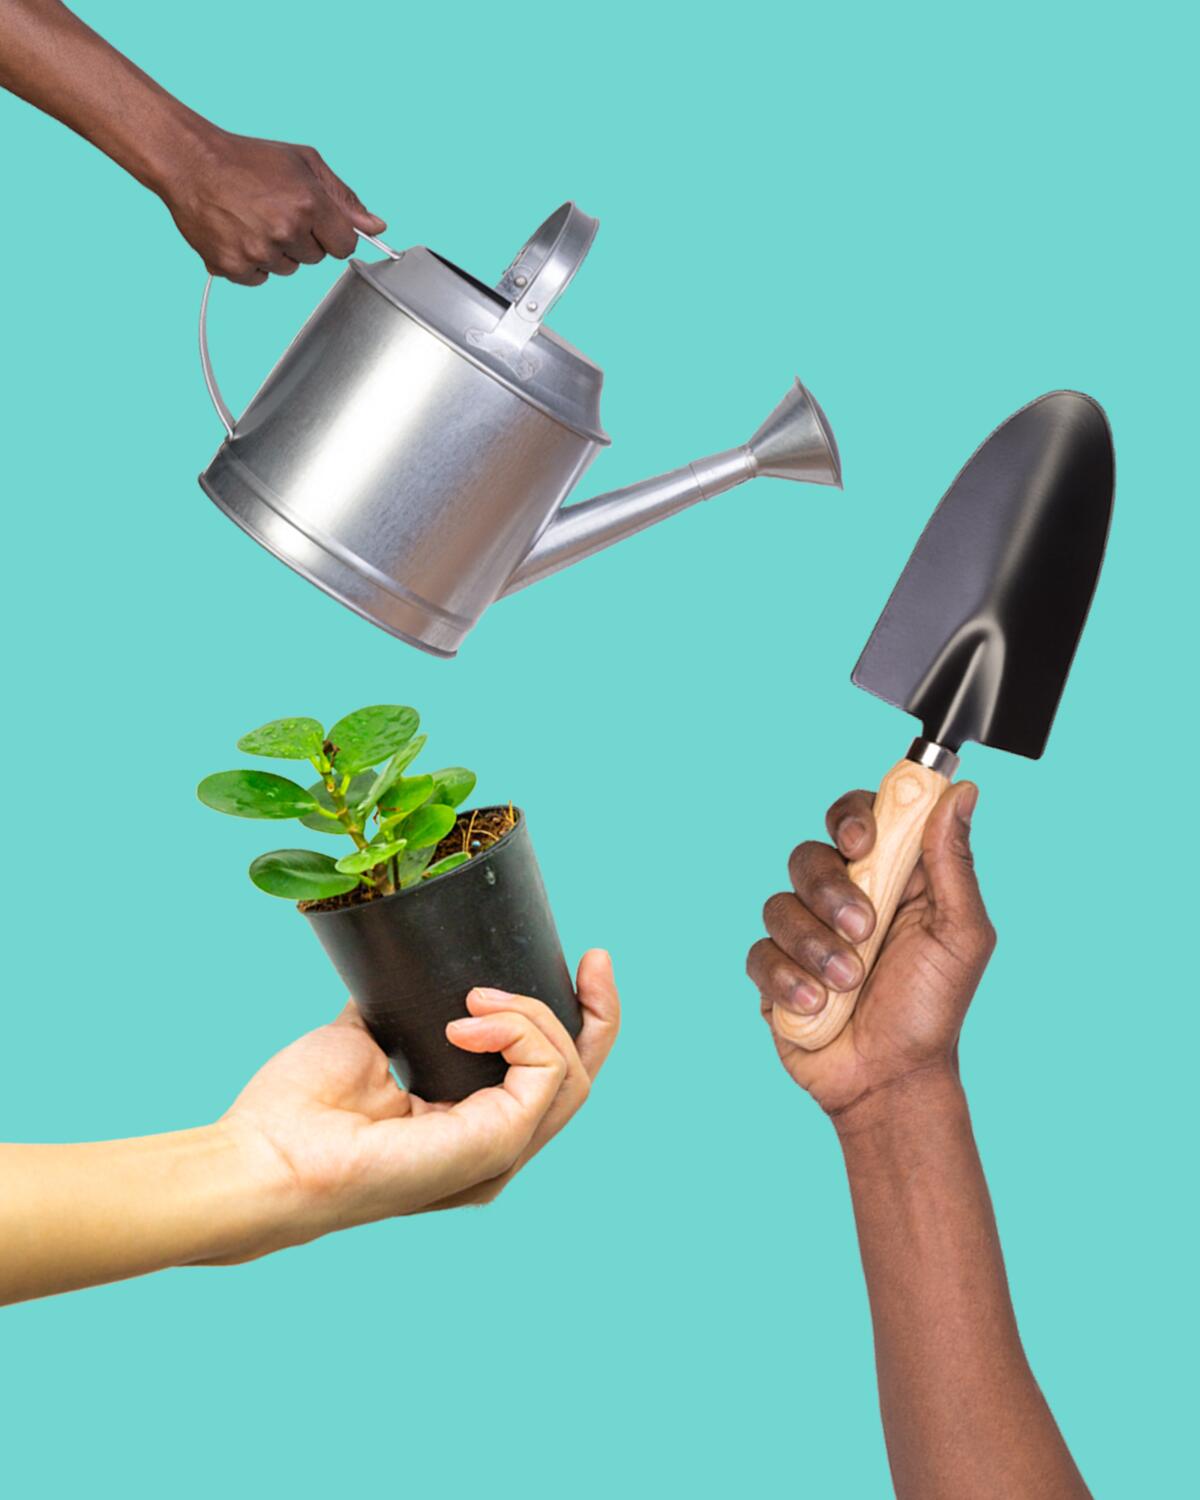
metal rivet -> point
(521, 280)
(531, 306)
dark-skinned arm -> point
(248, 207)
(963, 1415)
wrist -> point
(252, 1199)
(179, 147)
(902, 1104)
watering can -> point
(411, 451)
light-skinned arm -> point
(248, 207)
(320, 1139)
(963, 1415)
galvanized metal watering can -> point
(412, 449)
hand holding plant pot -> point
(358, 1149)
(426, 904)
(319, 1139)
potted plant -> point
(425, 902)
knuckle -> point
(839, 809)
(776, 909)
(828, 893)
(969, 943)
(756, 956)
(813, 950)
(803, 856)
(537, 1010)
(849, 802)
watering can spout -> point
(795, 442)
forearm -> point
(77, 1215)
(50, 58)
(962, 1413)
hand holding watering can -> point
(411, 451)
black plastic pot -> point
(410, 959)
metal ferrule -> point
(936, 757)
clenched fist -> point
(253, 208)
(912, 1007)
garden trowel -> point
(978, 636)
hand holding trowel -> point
(978, 636)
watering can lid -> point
(501, 330)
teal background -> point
(932, 214)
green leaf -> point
(370, 735)
(412, 864)
(392, 772)
(402, 759)
(444, 866)
(366, 859)
(255, 794)
(454, 785)
(299, 875)
(409, 794)
(429, 825)
(359, 785)
(285, 739)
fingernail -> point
(490, 994)
(968, 796)
(843, 970)
(804, 997)
(852, 922)
(850, 834)
(465, 1023)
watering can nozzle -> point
(795, 442)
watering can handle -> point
(210, 379)
(536, 279)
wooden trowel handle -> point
(907, 795)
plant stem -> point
(345, 817)
(337, 795)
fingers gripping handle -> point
(906, 797)
(210, 378)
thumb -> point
(348, 200)
(949, 863)
(601, 1006)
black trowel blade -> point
(978, 636)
